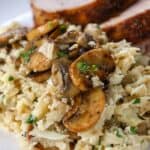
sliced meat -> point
(133, 25)
(77, 11)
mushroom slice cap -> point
(39, 146)
(60, 78)
(100, 58)
(40, 77)
(38, 62)
(42, 30)
(86, 111)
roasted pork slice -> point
(132, 25)
(77, 11)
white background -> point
(12, 8)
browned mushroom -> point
(39, 42)
(42, 30)
(86, 111)
(12, 35)
(73, 110)
(60, 78)
(39, 59)
(94, 62)
(40, 77)
(38, 62)
(68, 38)
(60, 30)
(39, 146)
(54, 34)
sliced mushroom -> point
(94, 32)
(60, 30)
(40, 77)
(55, 34)
(38, 62)
(99, 58)
(42, 30)
(41, 59)
(68, 38)
(86, 111)
(60, 78)
(12, 36)
(49, 49)
(39, 146)
(39, 42)
(73, 110)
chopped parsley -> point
(133, 130)
(84, 67)
(10, 78)
(62, 53)
(118, 134)
(31, 119)
(26, 55)
(136, 101)
(63, 28)
(94, 68)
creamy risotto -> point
(67, 88)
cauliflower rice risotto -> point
(67, 88)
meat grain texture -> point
(132, 25)
(79, 12)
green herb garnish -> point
(133, 130)
(26, 55)
(118, 134)
(31, 119)
(84, 67)
(63, 28)
(10, 78)
(136, 101)
(94, 68)
(62, 53)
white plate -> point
(9, 141)
(24, 19)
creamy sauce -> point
(55, 5)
